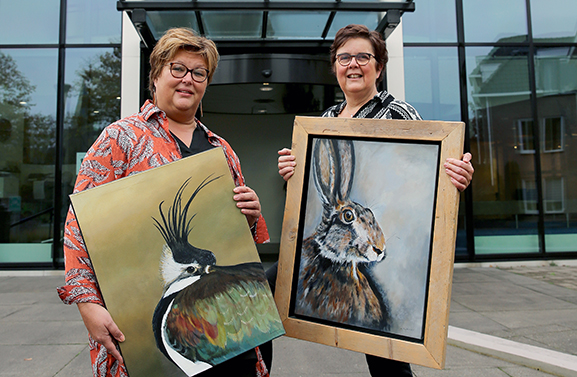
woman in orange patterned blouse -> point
(165, 130)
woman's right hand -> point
(286, 163)
(101, 327)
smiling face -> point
(179, 98)
(357, 81)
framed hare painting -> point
(368, 238)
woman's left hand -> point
(247, 200)
(460, 171)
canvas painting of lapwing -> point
(177, 267)
(208, 313)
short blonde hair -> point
(174, 41)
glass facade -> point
(70, 63)
(518, 85)
(506, 69)
(27, 165)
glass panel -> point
(495, 20)
(504, 190)
(232, 24)
(342, 19)
(90, 21)
(27, 140)
(556, 75)
(29, 21)
(551, 21)
(433, 85)
(92, 80)
(432, 21)
(433, 88)
(160, 22)
(296, 24)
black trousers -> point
(243, 365)
(378, 366)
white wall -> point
(130, 75)
(395, 67)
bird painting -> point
(208, 313)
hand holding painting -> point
(460, 171)
(248, 202)
(286, 163)
(101, 327)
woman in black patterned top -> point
(359, 58)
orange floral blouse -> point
(129, 146)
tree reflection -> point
(98, 91)
(28, 141)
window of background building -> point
(434, 21)
(28, 115)
(554, 193)
(29, 21)
(556, 78)
(553, 134)
(92, 82)
(525, 141)
(556, 21)
(495, 20)
(432, 82)
(504, 193)
(530, 197)
(27, 170)
(89, 21)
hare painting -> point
(334, 283)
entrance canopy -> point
(267, 25)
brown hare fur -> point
(334, 283)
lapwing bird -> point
(207, 313)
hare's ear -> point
(325, 162)
(334, 163)
(346, 158)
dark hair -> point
(361, 31)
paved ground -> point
(524, 316)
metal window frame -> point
(137, 11)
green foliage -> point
(15, 88)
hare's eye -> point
(348, 216)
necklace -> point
(350, 114)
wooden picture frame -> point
(412, 284)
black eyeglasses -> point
(362, 58)
(178, 71)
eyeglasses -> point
(362, 58)
(178, 71)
